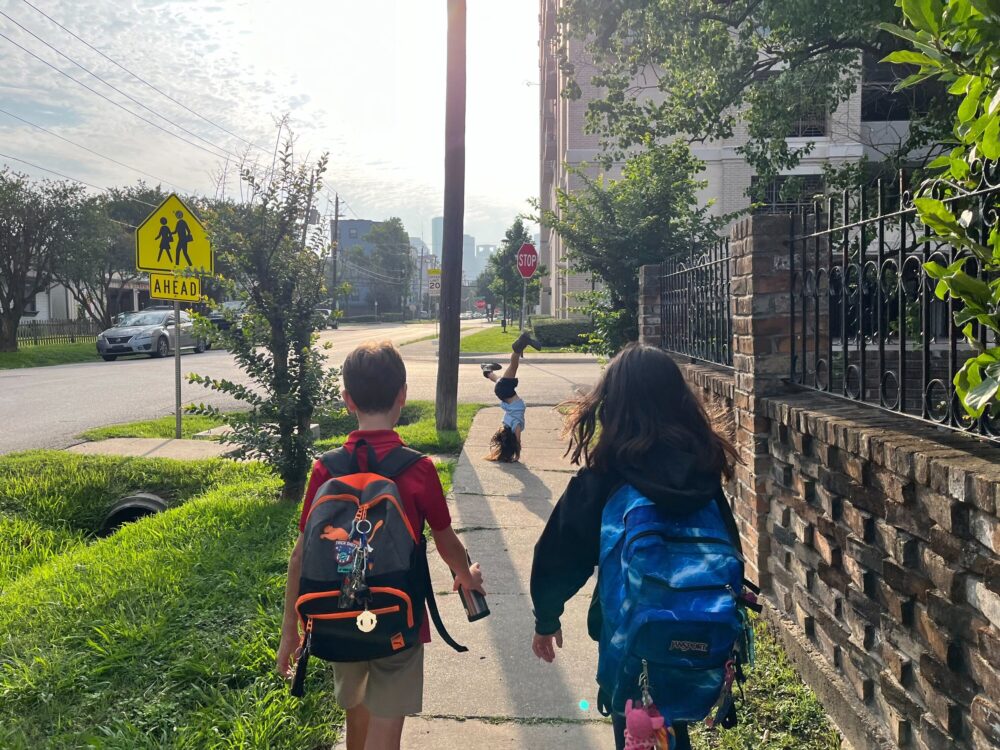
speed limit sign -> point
(434, 282)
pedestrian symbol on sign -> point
(172, 239)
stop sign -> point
(480, 304)
(527, 260)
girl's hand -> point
(470, 580)
(542, 645)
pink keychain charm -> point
(645, 727)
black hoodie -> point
(569, 548)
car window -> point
(143, 319)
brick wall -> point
(874, 536)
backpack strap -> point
(341, 462)
(432, 604)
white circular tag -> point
(367, 621)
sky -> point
(363, 80)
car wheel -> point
(109, 357)
(162, 347)
(199, 347)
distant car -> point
(148, 332)
(223, 316)
(325, 318)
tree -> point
(507, 283)
(280, 278)
(958, 43)
(104, 259)
(391, 260)
(484, 282)
(40, 223)
(693, 69)
(613, 227)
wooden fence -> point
(42, 332)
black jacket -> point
(568, 550)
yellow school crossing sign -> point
(172, 240)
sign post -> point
(434, 291)
(173, 246)
(527, 264)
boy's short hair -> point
(373, 375)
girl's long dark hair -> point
(642, 401)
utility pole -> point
(454, 211)
(336, 248)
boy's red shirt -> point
(419, 487)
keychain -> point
(645, 727)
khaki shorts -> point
(389, 687)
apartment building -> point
(869, 123)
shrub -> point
(562, 332)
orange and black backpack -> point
(364, 578)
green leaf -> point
(944, 160)
(910, 57)
(990, 144)
(969, 107)
(923, 14)
(978, 398)
(961, 84)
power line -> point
(72, 179)
(144, 81)
(131, 98)
(108, 99)
(96, 153)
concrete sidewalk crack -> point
(520, 720)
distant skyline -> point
(363, 81)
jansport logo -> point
(699, 646)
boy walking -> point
(377, 695)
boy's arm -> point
(453, 552)
(290, 621)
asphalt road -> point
(48, 407)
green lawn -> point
(494, 340)
(49, 354)
(416, 427)
(191, 425)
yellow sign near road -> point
(172, 239)
(168, 286)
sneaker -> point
(525, 340)
(490, 367)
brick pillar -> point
(760, 291)
(649, 305)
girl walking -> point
(641, 429)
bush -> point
(562, 332)
(162, 635)
(60, 490)
(533, 318)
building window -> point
(31, 308)
(352, 233)
(880, 102)
(786, 194)
(810, 123)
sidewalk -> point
(499, 695)
(154, 448)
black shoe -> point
(490, 367)
(525, 340)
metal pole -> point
(177, 369)
(524, 301)
(336, 248)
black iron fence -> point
(695, 307)
(866, 324)
(40, 332)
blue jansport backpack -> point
(675, 626)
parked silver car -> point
(149, 332)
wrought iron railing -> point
(695, 307)
(865, 322)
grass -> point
(416, 427)
(162, 635)
(191, 425)
(52, 501)
(780, 711)
(494, 340)
(49, 354)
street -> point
(48, 407)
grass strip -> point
(162, 635)
(494, 340)
(49, 354)
(163, 427)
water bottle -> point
(475, 604)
